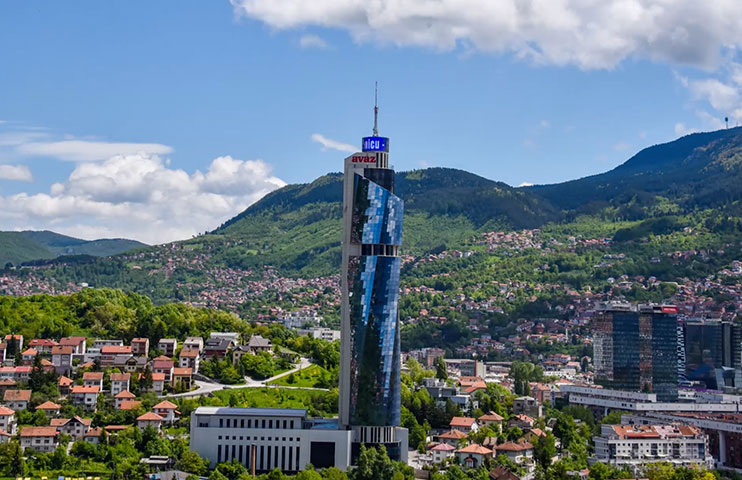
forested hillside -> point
(19, 247)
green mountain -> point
(18, 247)
(698, 171)
(298, 227)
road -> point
(206, 388)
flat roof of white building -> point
(256, 412)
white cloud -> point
(138, 196)
(330, 144)
(89, 151)
(526, 184)
(15, 172)
(719, 96)
(312, 41)
(586, 33)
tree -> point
(11, 460)
(544, 449)
(440, 369)
(192, 462)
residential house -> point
(7, 384)
(17, 399)
(451, 437)
(99, 343)
(3, 352)
(520, 453)
(50, 409)
(7, 420)
(524, 422)
(110, 354)
(62, 358)
(442, 452)
(492, 420)
(119, 383)
(93, 379)
(472, 456)
(189, 358)
(238, 352)
(64, 384)
(134, 364)
(164, 365)
(5, 437)
(217, 347)
(75, 427)
(127, 405)
(528, 406)
(85, 395)
(194, 343)
(167, 410)
(464, 424)
(19, 373)
(167, 346)
(77, 344)
(233, 337)
(42, 345)
(41, 439)
(28, 356)
(140, 347)
(182, 379)
(93, 435)
(158, 383)
(122, 396)
(502, 473)
(258, 344)
(149, 419)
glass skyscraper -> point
(712, 353)
(635, 349)
(369, 402)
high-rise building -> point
(712, 353)
(369, 403)
(369, 406)
(635, 348)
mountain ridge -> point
(33, 245)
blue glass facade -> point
(636, 350)
(373, 283)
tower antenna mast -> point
(376, 109)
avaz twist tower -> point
(369, 401)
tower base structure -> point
(394, 439)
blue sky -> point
(112, 113)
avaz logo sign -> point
(363, 159)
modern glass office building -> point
(712, 353)
(370, 401)
(635, 349)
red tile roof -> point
(49, 406)
(17, 395)
(462, 422)
(150, 417)
(85, 389)
(165, 405)
(38, 432)
(474, 448)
